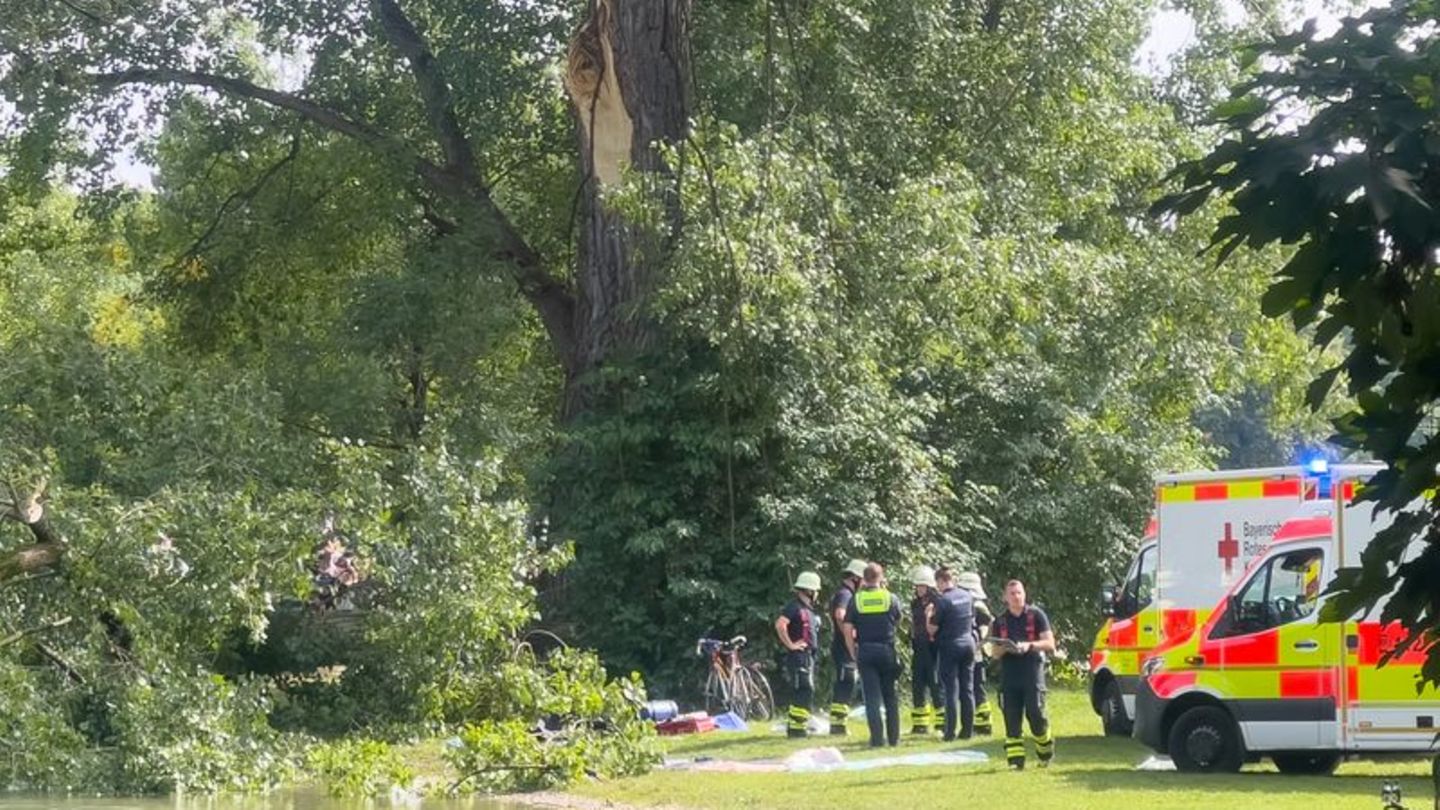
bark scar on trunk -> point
(594, 87)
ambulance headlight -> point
(1152, 666)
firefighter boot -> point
(1044, 748)
(982, 719)
(920, 719)
(1015, 753)
(798, 726)
(839, 713)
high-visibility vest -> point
(872, 601)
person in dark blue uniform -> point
(846, 673)
(952, 625)
(1022, 636)
(798, 628)
(924, 655)
(870, 625)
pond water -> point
(284, 800)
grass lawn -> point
(1091, 771)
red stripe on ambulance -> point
(1212, 492)
(1179, 623)
(1307, 683)
(1124, 634)
(1166, 684)
(1260, 649)
(1281, 489)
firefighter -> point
(870, 624)
(845, 671)
(1022, 635)
(970, 581)
(798, 628)
(952, 625)
(924, 686)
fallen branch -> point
(59, 661)
(23, 634)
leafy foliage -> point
(592, 727)
(912, 312)
(1334, 148)
(360, 768)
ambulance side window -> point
(1140, 587)
(1284, 590)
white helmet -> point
(856, 568)
(970, 581)
(808, 581)
(923, 575)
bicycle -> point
(733, 685)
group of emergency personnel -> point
(951, 627)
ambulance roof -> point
(1336, 471)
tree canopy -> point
(610, 318)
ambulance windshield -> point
(1283, 590)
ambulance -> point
(1261, 676)
(1207, 528)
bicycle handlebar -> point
(711, 645)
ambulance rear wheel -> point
(1205, 740)
(1322, 763)
(1112, 711)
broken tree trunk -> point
(48, 547)
(628, 78)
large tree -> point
(448, 95)
(891, 297)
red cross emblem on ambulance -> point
(1229, 549)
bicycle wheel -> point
(762, 698)
(753, 698)
(716, 694)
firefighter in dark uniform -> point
(924, 685)
(952, 624)
(845, 670)
(798, 628)
(1022, 635)
(870, 625)
(970, 581)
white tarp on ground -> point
(826, 760)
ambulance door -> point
(1381, 708)
(1134, 630)
(1278, 665)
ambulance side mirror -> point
(1107, 600)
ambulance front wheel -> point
(1112, 711)
(1205, 740)
(1308, 763)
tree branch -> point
(244, 195)
(434, 90)
(20, 635)
(550, 296)
(29, 512)
(319, 114)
